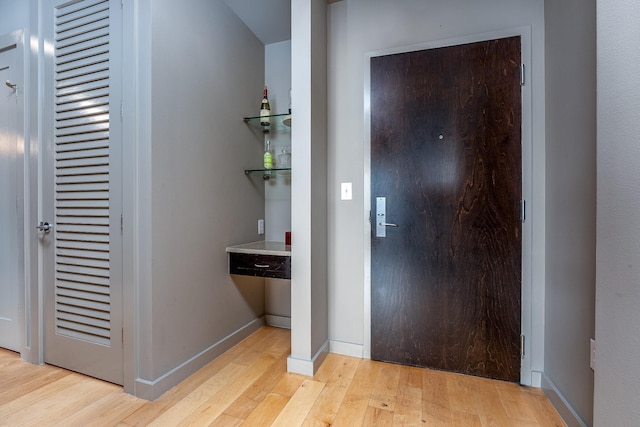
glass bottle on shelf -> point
(267, 157)
(265, 109)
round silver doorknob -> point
(44, 226)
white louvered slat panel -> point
(66, 288)
(82, 153)
(94, 312)
(80, 35)
(82, 73)
(75, 60)
(87, 110)
(90, 172)
(90, 186)
(80, 254)
(83, 89)
(79, 261)
(95, 75)
(84, 246)
(88, 120)
(83, 195)
(89, 22)
(83, 50)
(80, 237)
(71, 139)
(79, 104)
(74, 10)
(82, 156)
(83, 271)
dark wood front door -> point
(446, 156)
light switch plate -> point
(345, 191)
(261, 226)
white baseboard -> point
(562, 405)
(346, 348)
(308, 367)
(278, 321)
(536, 379)
(151, 390)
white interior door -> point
(11, 210)
(82, 190)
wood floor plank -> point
(259, 389)
(463, 419)
(288, 384)
(435, 399)
(385, 389)
(42, 394)
(105, 411)
(514, 401)
(152, 410)
(326, 406)
(30, 381)
(249, 386)
(298, 407)
(377, 417)
(356, 401)
(182, 409)
(67, 398)
(213, 407)
(408, 407)
(225, 420)
(267, 411)
(544, 411)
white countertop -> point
(262, 248)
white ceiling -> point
(270, 20)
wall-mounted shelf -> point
(278, 123)
(268, 173)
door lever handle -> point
(387, 224)
(44, 226)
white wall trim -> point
(278, 321)
(8, 41)
(346, 348)
(308, 367)
(527, 182)
(562, 405)
(151, 390)
(136, 203)
(536, 379)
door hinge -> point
(522, 346)
(523, 207)
(121, 111)
(522, 79)
(122, 335)
(121, 224)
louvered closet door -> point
(83, 252)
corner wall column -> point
(309, 302)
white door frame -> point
(15, 40)
(527, 182)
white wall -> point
(360, 26)
(206, 73)
(309, 322)
(617, 373)
(14, 15)
(571, 201)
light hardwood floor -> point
(248, 385)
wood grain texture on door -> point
(446, 154)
